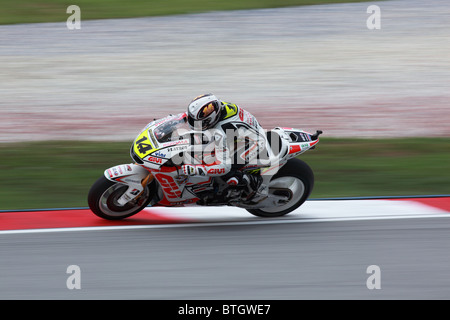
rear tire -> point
(300, 177)
(102, 200)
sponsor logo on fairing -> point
(154, 160)
(159, 154)
(169, 186)
(173, 143)
(216, 171)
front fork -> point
(132, 175)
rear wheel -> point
(103, 195)
(295, 180)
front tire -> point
(296, 179)
(103, 195)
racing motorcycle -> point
(155, 177)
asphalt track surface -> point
(316, 260)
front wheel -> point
(295, 180)
(102, 200)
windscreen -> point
(170, 130)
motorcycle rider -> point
(238, 140)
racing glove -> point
(190, 170)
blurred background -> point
(290, 64)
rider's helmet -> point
(204, 111)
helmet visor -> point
(208, 109)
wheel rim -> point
(108, 201)
(290, 186)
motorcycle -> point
(155, 177)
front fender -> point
(132, 175)
(126, 173)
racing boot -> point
(248, 185)
(236, 185)
(257, 190)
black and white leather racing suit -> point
(236, 141)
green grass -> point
(59, 174)
(29, 11)
(54, 174)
